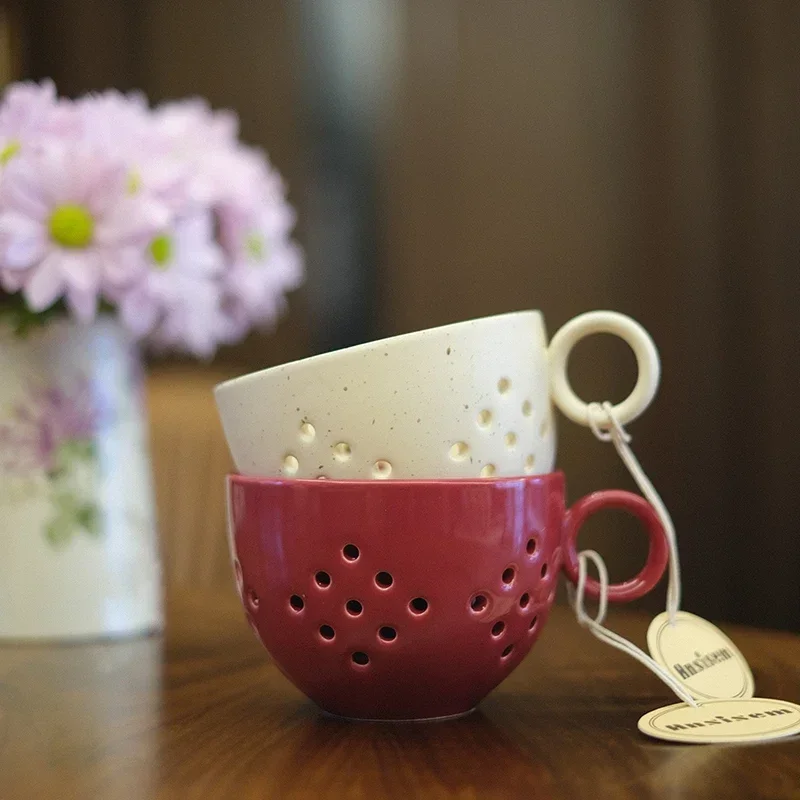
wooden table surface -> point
(202, 713)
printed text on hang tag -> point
(701, 656)
(752, 719)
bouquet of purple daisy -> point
(160, 213)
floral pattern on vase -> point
(52, 435)
(78, 548)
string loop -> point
(595, 624)
(607, 428)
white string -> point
(607, 428)
(594, 624)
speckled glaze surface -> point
(409, 599)
(459, 401)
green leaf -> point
(22, 321)
(88, 517)
(15, 313)
(58, 532)
(66, 504)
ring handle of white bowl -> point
(649, 366)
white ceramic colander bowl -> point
(460, 401)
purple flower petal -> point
(22, 240)
(139, 312)
(81, 269)
(45, 284)
(105, 188)
(133, 220)
(12, 280)
(82, 303)
(21, 190)
(121, 266)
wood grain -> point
(202, 713)
(190, 461)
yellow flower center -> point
(71, 226)
(134, 182)
(256, 247)
(161, 251)
(9, 151)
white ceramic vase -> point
(78, 548)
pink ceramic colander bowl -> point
(410, 599)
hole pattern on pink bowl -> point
(418, 606)
(387, 633)
(360, 658)
(350, 552)
(384, 580)
(479, 603)
(348, 628)
(354, 607)
(327, 632)
(322, 579)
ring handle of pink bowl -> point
(657, 556)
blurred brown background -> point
(454, 159)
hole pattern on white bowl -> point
(382, 470)
(530, 462)
(489, 460)
(290, 465)
(307, 432)
(485, 419)
(459, 451)
(342, 452)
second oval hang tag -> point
(701, 656)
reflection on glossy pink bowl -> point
(410, 599)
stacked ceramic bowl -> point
(395, 525)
